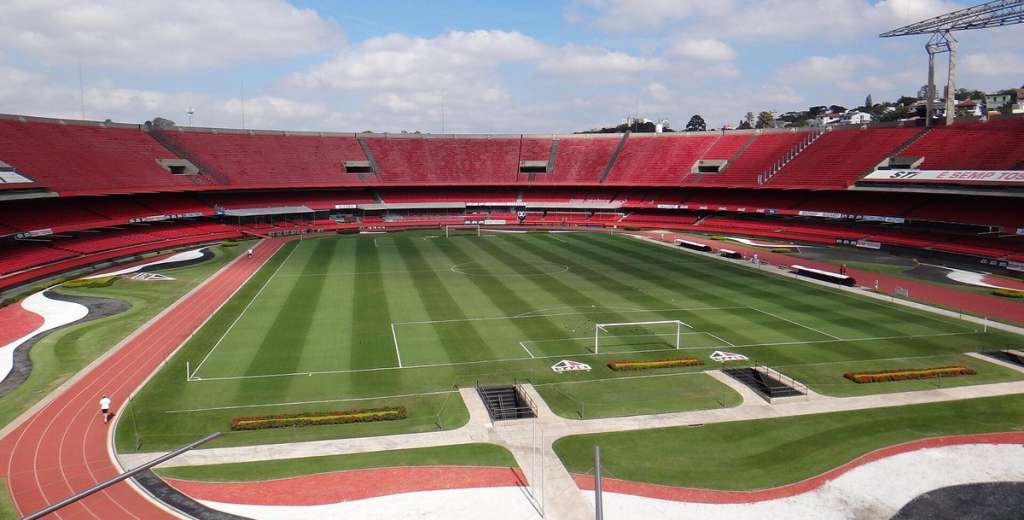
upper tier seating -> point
(840, 157)
(446, 161)
(581, 159)
(659, 158)
(759, 155)
(994, 145)
(88, 158)
(270, 160)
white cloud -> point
(158, 35)
(707, 49)
(848, 72)
(595, 63)
(995, 64)
(780, 19)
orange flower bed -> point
(657, 363)
(317, 418)
(884, 376)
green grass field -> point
(748, 455)
(478, 454)
(361, 321)
(64, 352)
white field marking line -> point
(244, 310)
(520, 317)
(530, 314)
(720, 339)
(296, 403)
(776, 316)
(591, 338)
(577, 354)
(526, 349)
(592, 266)
(394, 336)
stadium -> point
(780, 322)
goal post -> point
(604, 327)
(462, 230)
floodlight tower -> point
(990, 14)
(191, 112)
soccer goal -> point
(472, 230)
(638, 333)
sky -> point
(471, 67)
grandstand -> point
(94, 190)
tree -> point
(765, 119)
(696, 124)
(868, 104)
(744, 125)
(836, 109)
(749, 118)
(906, 100)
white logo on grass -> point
(151, 277)
(722, 356)
(568, 365)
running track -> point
(63, 448)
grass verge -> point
(478, 454)
(64, 352)
(748, 455)
(7, 509)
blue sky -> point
(494, 67)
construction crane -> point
(990, 14)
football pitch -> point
(356, 321)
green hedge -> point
(1008, 293)
(885, 376)
(657, 363)
(318, 418)
(89, 283)
(782, 250)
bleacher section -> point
(88, 158)
(993, 145)
(108, 180)
(658, 158)
(743, 171)
(838, 158)
(270, 159)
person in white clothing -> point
(105, 408)
(250, 253)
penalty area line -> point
(776, 316)
(526, 349)
(398, 353)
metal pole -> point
(598, 506)
(124, 476)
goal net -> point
(463, 230)
(638, 335)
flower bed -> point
(264, 422)
(657, 363)
(884, 376)
(89, 283)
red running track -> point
(62, 449)
(714, 496)
(343, 486)
(978, 304)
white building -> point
(855, 117)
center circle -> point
(502, 270)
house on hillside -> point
(855, 117)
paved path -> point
(62, 446)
